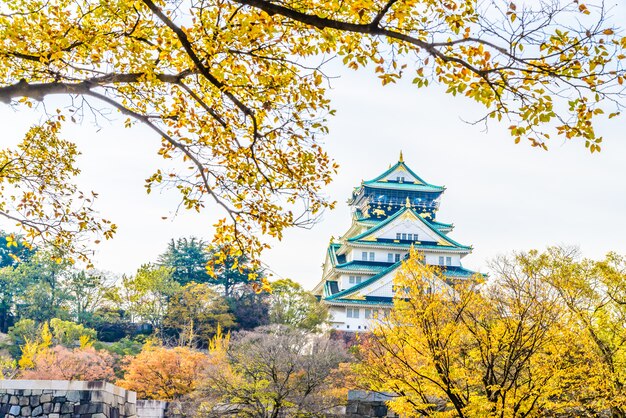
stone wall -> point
(151, 409)
(363, 404)
(65, 399)
(77, 399)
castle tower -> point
(389, 214)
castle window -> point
(448, 261)
(354, 279)
(364, 256)
(371, 256)
(397, 257)
(404, 236)
(352, 312)
(441, 260)
(368, 313)
(390, 258)
(398, 236)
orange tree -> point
(163, 373)
(235, 91)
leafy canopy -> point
(545, 336)
(236, 91)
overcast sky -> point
(501, 197)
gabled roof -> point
(399, 213)
(404, 186)
(418, 185)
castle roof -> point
(407, 210)
(411, 181)
(452, 272)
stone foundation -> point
(363, 404)
(77, 399)
(65, 399)
(151, 409)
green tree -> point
(231, 272)
(57, 331)
(194, 313)
(45, 293)
(145, 296)
(187, 257)
(291, 305)
(22, 331)
(88, 292)
(235, 91)
(11, 285)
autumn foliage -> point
(163, 373)
(236, 93)
(61, 363)
(543, 337)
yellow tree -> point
(36, 184)
(592, 293)
(236, 93)
(470, 349)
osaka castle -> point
(390, 213)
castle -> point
(390, 213)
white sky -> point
(500, 196)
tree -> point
(69, 333)
(41, 288)
(231, 272)
(163, 373)
(235, 90)
(13, 252)
(272, 372)
(44, 293)
(475, 350)
(592, 293)
(38, 193)
(195, 312)
(11, 285)
(249, 307)
(56, 331)
(146, 295)
(293, 306)
(187, 257)
(61, 363)
(88, 292)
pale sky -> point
(501, 197)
